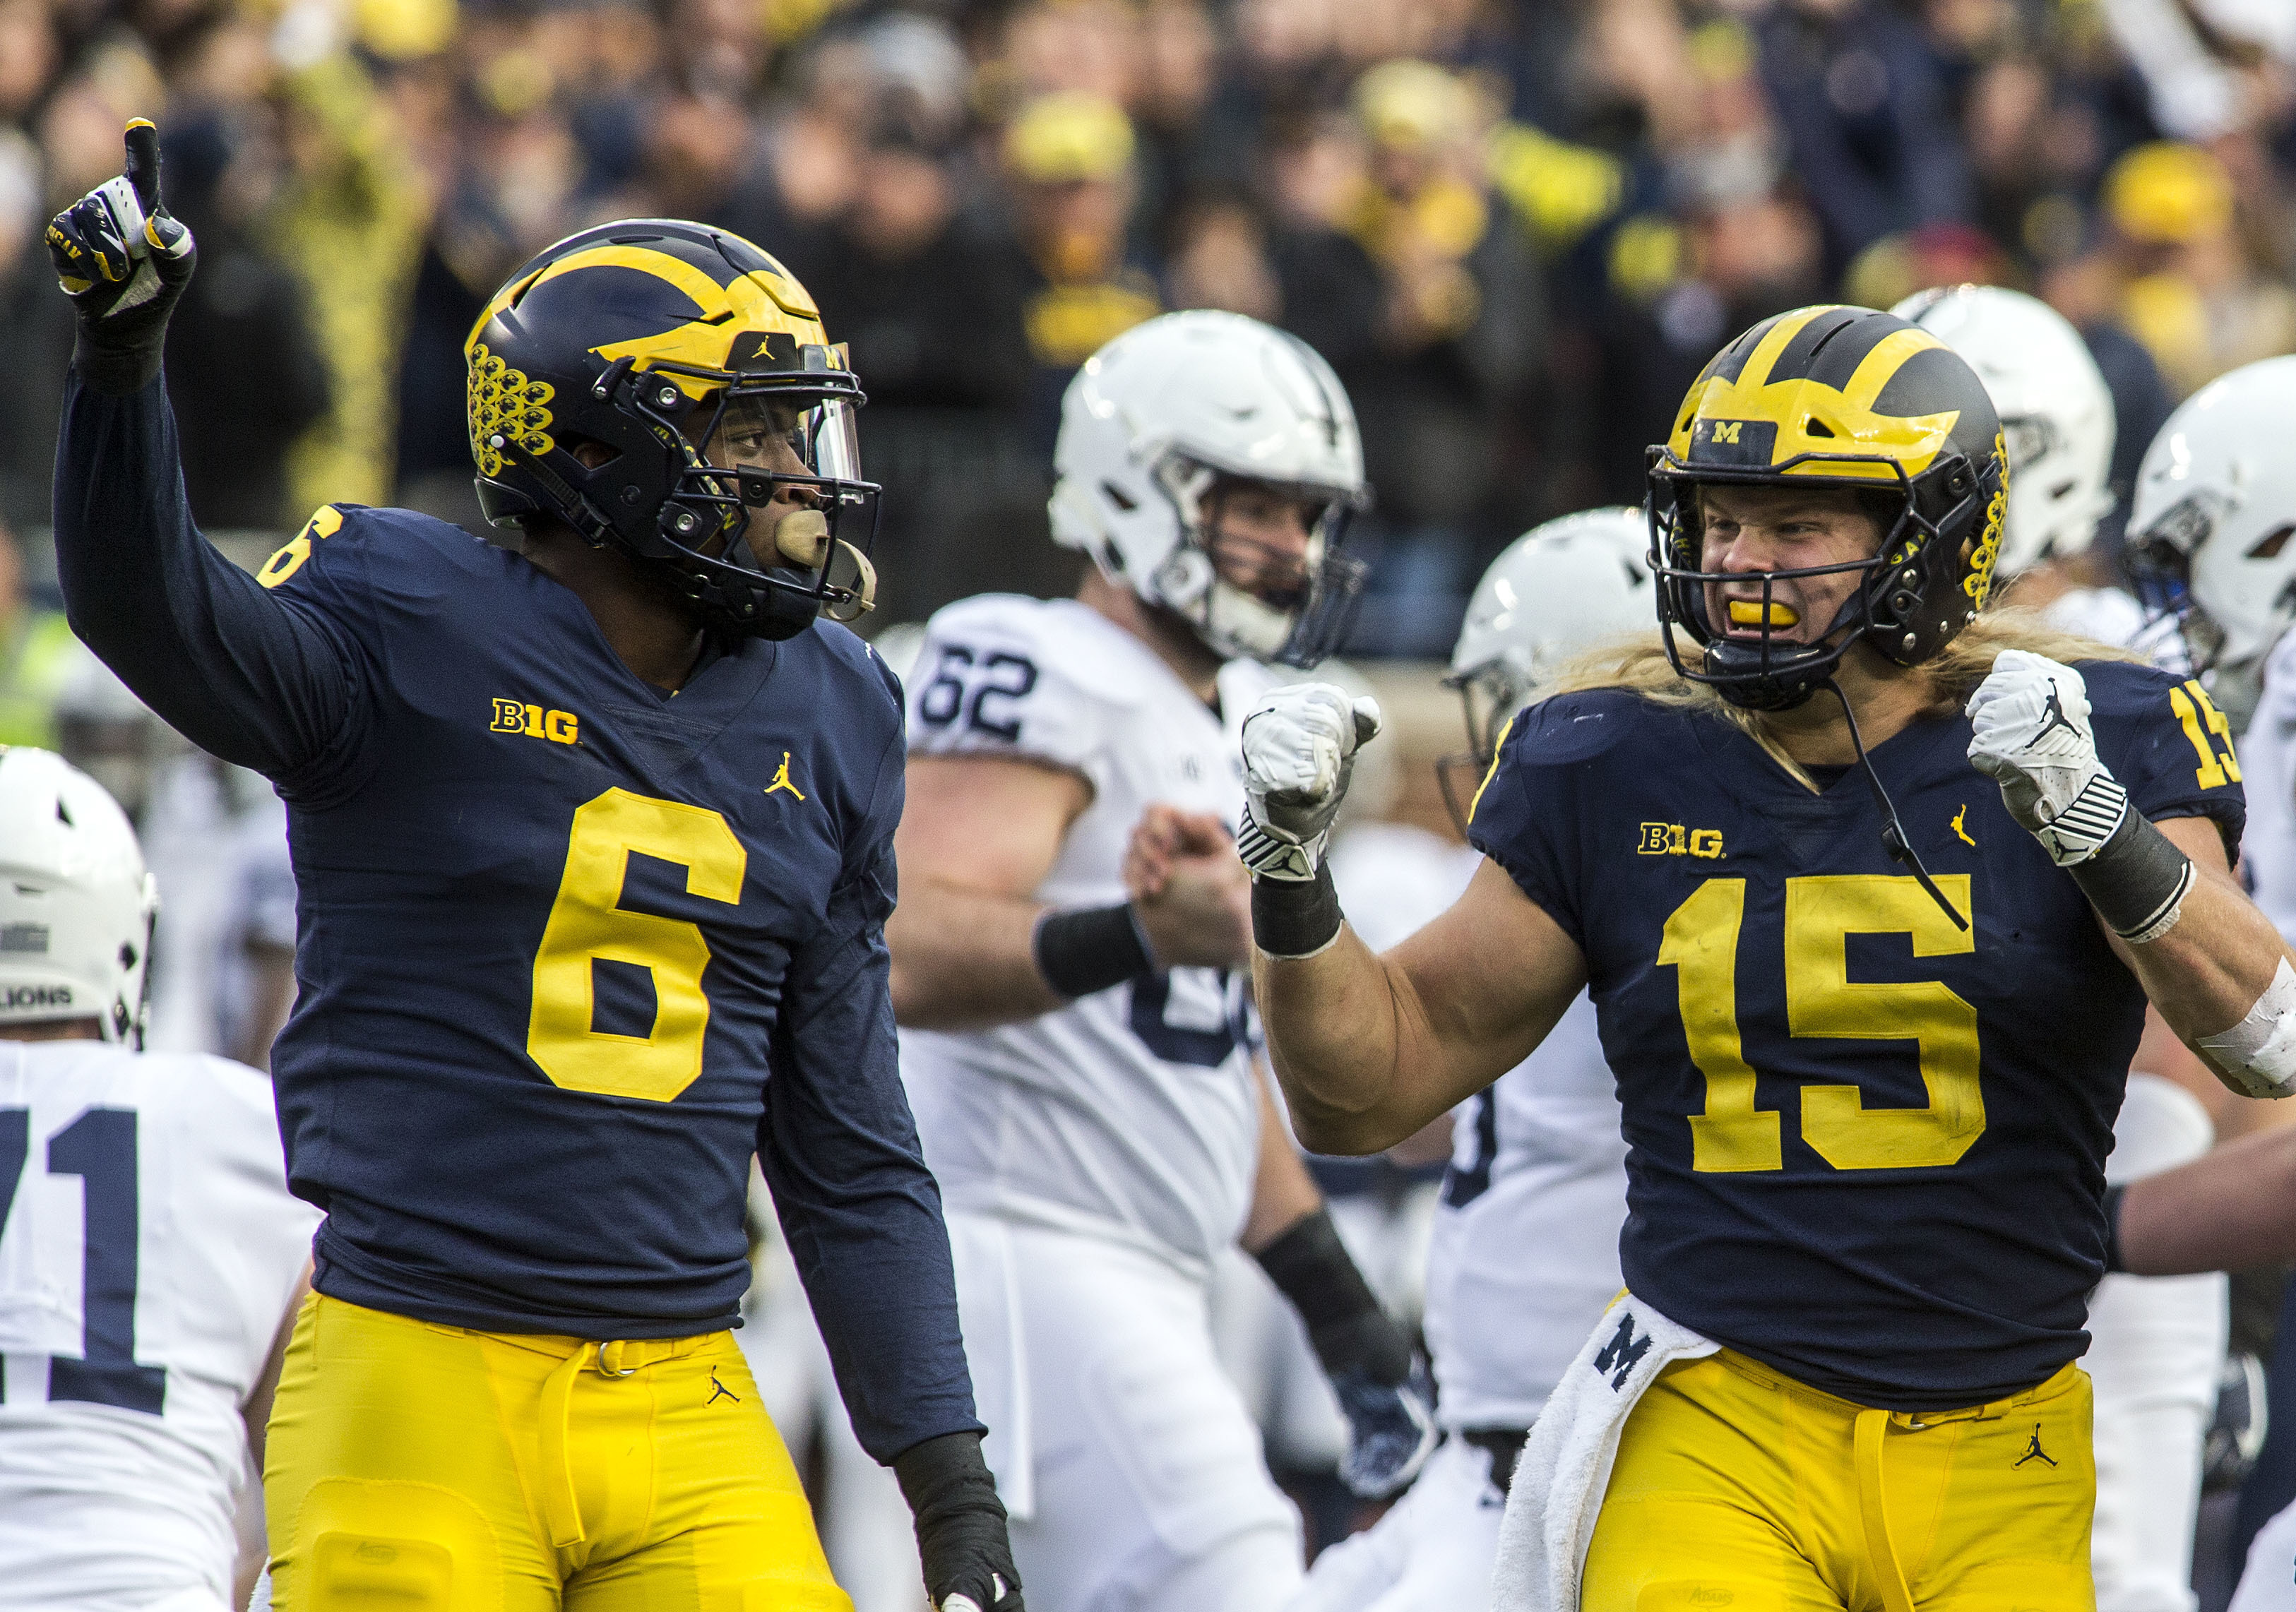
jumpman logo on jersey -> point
(724, 1392)
(782, 779)
(2033, 1450)
(1957, 819)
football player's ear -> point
(124, 261)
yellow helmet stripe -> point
(1757, 373)
(706, 293)
(1882, 365)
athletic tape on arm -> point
(2258, 1055)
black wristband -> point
(1295, 917)
(2136, 879)
(961, 1535)
(1090, 949)
(2112, 1263)
(1311, 1267)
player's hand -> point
(1391, 1430)
(1299, 745)
(2032, 736)
(1191, 894)
(961, 1533)
(124, 261)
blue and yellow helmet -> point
(1839, 397)
(637, 337)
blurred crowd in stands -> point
(1516, 229)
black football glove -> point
(961, 1538)
(124, 262)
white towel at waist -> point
(1565, 1464)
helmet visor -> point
(786, 432)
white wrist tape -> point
(2258, 1055)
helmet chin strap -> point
(1893, 831)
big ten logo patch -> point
(1672, 839)
(558, 727)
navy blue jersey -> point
(557, 928)
(1865, 1146)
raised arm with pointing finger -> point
(593, 848)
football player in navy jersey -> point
(593, 851)
(1870, 890)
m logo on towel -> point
(1624, 1352)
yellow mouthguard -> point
(1748, 612)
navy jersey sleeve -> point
(2168, 744)
(1526, 815)
(839, 1149)
(258, 679)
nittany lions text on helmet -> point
(654, 340)
(2056, 413)
(1150, 426)
(75, 903)
(1838, 398)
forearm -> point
(2207, 972)
(965, 959)
(861, 1212)
(874, 1256)
(2230, 1210)
(199, 640)
(1282, 1192)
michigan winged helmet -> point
(602, 370)
(1842, 397)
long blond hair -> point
(1640, 666)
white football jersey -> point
(1524, 1253)
(148, 1252)
(2267, 767)
(1130, 1113)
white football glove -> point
(2033, 737)
(1299, 745)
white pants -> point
(2157, 1345)
(2268, 1583)
(1131, 1469)
(1431, 1552)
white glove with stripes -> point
(1299, 745)
(2033, 737)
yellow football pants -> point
(1738, 1487)
(416, 1468)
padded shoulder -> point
(2120, 690)
(399, 553)
(1567, 729)
(2167, 743)
(854, 669)
(1047, 681)
(1099, 658)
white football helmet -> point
(75, 903)
(2210, 533)
(1560, 588)
(1155, 418)
(2056, 413)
